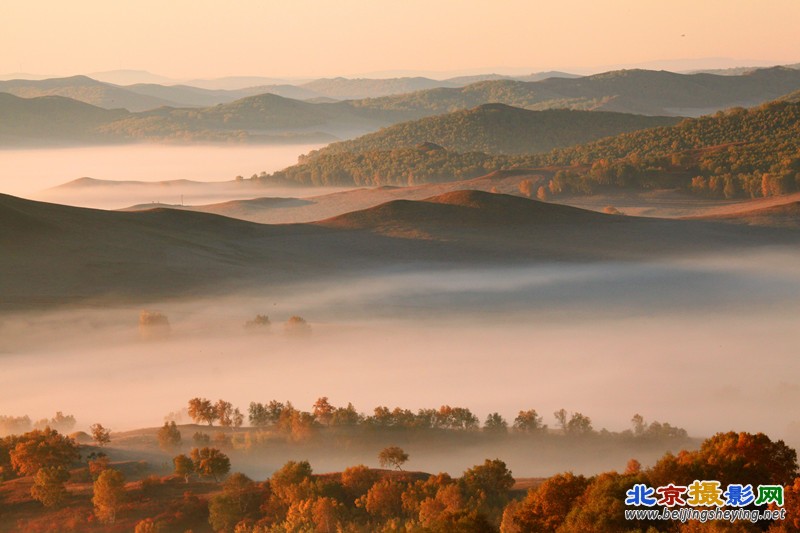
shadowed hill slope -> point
(55, 255)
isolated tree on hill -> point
(392, 456)
(183, 466)
(48, 485)
(169, 436)
(210, 462)
(101, 435)
(109, 495)
(202, 410)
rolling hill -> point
(501, 129)
(65, 255)
(51, 119)
(740, 153)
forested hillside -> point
(738, 153)
(501, 129)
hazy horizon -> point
(528, 36)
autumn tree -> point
(210, 462)
(392, 456)
(184, 466)
(384, 499)
(202, 410)
(292, 482)
(529, 421)
(357, 481)
(101, 435)
(546, 507)
(109, 495)
(223, 412)
(42, 448)
(323, 410)
(48, 485)
(169, 436)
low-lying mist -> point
(708, 345)
(31, 172)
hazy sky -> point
(299, 38)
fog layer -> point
(708, 345)
(28, 173)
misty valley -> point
(511, 303)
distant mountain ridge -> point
(268, 117)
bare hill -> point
(61, 255)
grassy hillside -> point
(501, 129)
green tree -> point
(48, 485)
(109, 495)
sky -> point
(184, 39)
